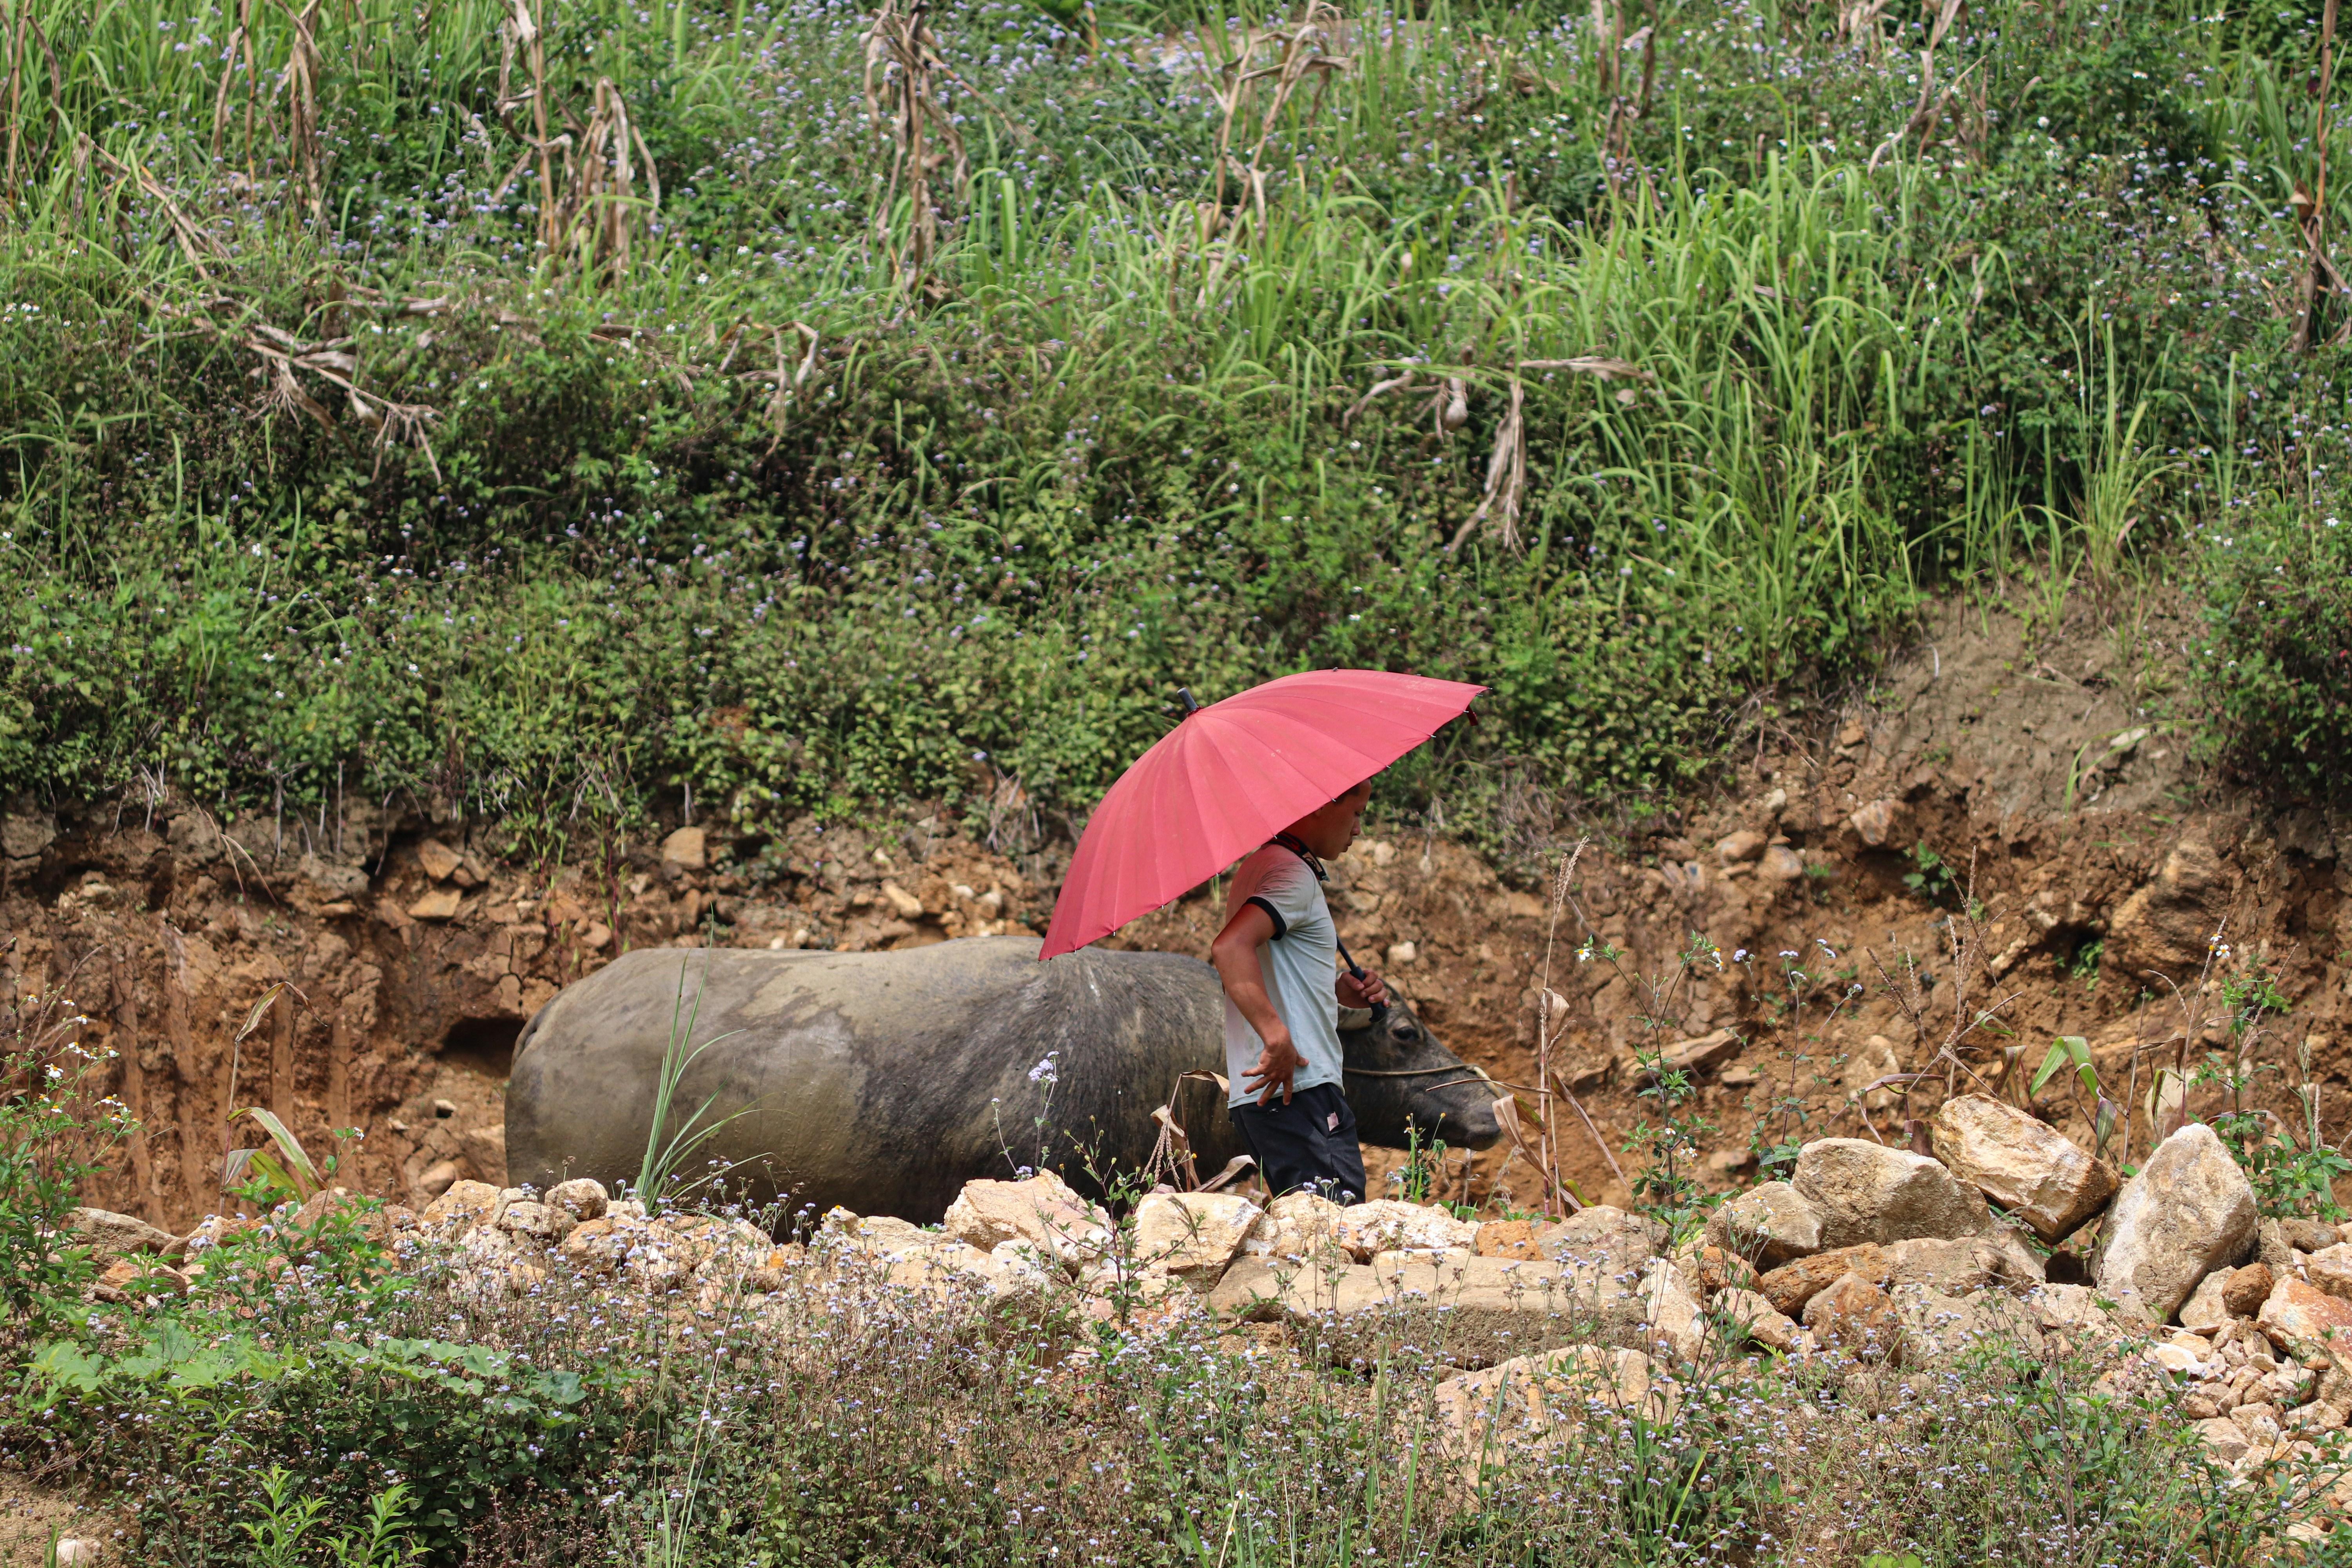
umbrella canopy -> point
(1231, 776)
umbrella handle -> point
(1356, 973)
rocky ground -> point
(1871, 1261)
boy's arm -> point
(1235, 952)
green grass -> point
(347, 451)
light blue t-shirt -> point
(1301, 968)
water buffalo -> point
(883, 1081)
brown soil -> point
(2097, 858)
(32, 1516)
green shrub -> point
(55, 1124)
(211, 1406)
(2275, 658)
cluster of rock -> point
(1881, 1254)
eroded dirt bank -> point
(2012, 828)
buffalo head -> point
(1400, 1080)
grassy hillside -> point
(553, 405)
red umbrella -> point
(1232, 775)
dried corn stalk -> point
(301, 80)
(903, 70)
(601, 209)
(1506, 474)
(282, 354)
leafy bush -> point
(2276, 658)
(453, 1424)
(55, 1123)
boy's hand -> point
(1276, 1065)
(1370, 992)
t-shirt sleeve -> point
(1287, 894)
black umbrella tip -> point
(1185, 697)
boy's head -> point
(1328, 829)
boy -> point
(1284, 991)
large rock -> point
(2188, 1212)
(1297, 1228)
(1938, 1327)
(2167, 925)
(465, 1205)
(2207, 1307)
(110, 1236)
(1261, 1290)
(1789, 1286)
(2330, 1268)
(2298, 1318)
(2026, 1166)
(1996, 1260)
(1041, 1211)
(1866, 1192)
(1764, 1324)
(1531, 1403)
(1388, 1225)
(1192, 1236)
(1605, 1241)
(581, 1198)
(1855, 1315)
(1769, 1225)
(1674, 1323)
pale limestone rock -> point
(1192, 1236)
(2188, 1212)
(905, 903)
(1296, 1227)
(1875, 822)
(1605, 1241)
(1855, 1315)
(1388, 1225)
(2222, 1439)
(1674, 1323)
(1995, 1260)
(436, 904)
(440, 861)
(1261, 1290)
(110, 1236)
(2205, 1308)
(1781, 864)
(2297, 1319)
(1769, 1225)
(2330, 1269)
(581, 1197)
(688, 849)
(438, 1178)
(1938, 1328)
(1043, 1211)
(1764, 1323)
(2025, 1165)
(1865, 1192)
(542, 1223)
(1525, 1406)
(1866, 1068)
(465, 1205)
(1694, 1056)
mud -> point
(1995, 828)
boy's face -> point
(1331, 829)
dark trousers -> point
(1307, 1145)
